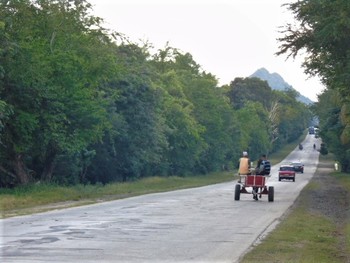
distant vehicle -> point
(298, 167)
(311, 130)
(286, 171)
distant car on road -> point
(298, 167)
(286, 171)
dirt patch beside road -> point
(328, 197)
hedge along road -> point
(202, 224)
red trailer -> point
(254, 182)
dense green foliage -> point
(266, 114)
(323, 31)
(81, 104)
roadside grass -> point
(302, 237)
(345, 181)
(17, 201)
(305, 236)
(23, 199)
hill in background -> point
(276, 82)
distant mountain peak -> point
(262, 71)
(276, 82)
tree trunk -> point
(49, 165)
(22, 175)
(83, 174)
(46, 175)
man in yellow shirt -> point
(244, 166)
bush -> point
(323, 150)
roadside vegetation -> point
(321, 35)
(88, 116)
(40, 197)
(81, 104)
(43, 197)
(317, 227)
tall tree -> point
(249, 89)
(285, 118)
(330, 111)
(254, 122)
(184, 132)
(136, 144)
(322, 30)
(211, 114)
(213, 111)
(50, 80)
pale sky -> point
(227, 38)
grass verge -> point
(38, 197)
(300, 238)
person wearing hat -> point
(244, 166)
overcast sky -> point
(228, 38)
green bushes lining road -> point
(41, 197)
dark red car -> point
(286, 172)
(298, 167)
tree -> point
(254, 126)
(274, 120)
(323, 31)
(285, 118)
(184, 132)
(212, 110)
(249, 89)
(329, 110)
(205, 106)
(51, 80)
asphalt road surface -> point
(202, 224)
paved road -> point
(195, 225)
